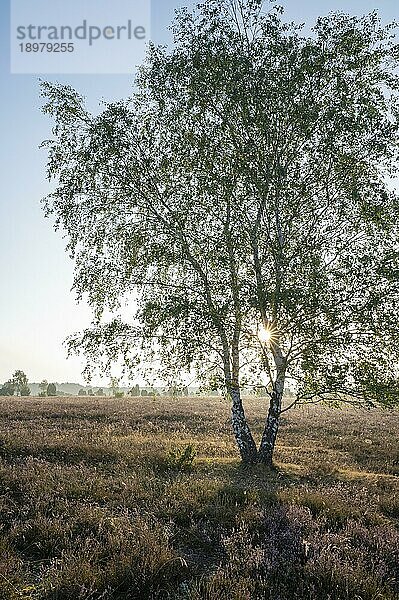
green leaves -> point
(244, 182)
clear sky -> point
(37, 308)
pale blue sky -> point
(37, 309)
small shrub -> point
(181, 459)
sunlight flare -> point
(265, 334)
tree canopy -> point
(51, 389)
(18, 384)
(243, 199)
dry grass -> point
(93, 506)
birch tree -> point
(243, 198)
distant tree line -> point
(47, 389)
(90, 392)
(17, 385)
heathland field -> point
(104, 498)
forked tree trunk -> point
(242, 432)
(269, 436)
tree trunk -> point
(242, 432)
(269, 436)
